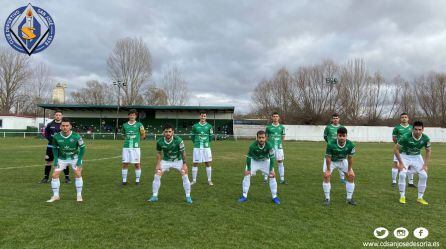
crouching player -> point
(408, 153)
(260, 157)
(174, 156)
(68, 151)
(339, 154)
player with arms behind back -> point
(202, 134)
(133, 132)
(275, 133)
(400, 130)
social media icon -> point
(381, 233)
(420, 233)
(401, 233)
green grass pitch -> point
(113, 216)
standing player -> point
(339, 154)
(400, 130)
(408, 153)
(170, 154)
(50, 130)
(202, 134)
(68, 150)
(260, 157)
(331, 133)
(133, 132)
(276, 137)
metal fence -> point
(114, 136)
(151, 136)
(184, 136)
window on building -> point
(1, 123)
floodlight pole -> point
(331, 81)
(119, 84)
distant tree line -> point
(309, 95)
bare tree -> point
(155, 96)
(405, 98)
(37, 90)
(318, 98)
(14, 72)
(281, 94)
(275, 95)
(378, 99)
(130, 62)
(303, 97)
(95, 93)
(353, 79)
(175, 87)
(431, 93)
(262, 99)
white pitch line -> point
(40, 165)
(27, 166)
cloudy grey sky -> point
(224, 48)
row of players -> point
(66, 149)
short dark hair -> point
(275, 113)
(418, 123)
(334, 115)
(261, 132)
(342, 130)
(133, 111)
(58, 110)
(168, 126)
(404, 113)
(64, 119)
(203, 112)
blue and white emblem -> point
(29, 29)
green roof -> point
(140, 107)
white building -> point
(59, 93)
(19, 122)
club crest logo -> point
(29, 29)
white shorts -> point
(278, 153)
(394, 158)
(167, 165)
(202, 155)
(63, 164)
(412, 163)
(131, 155)
(260, 165)
(340, 165)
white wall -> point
(355, 133)
(19, 123)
